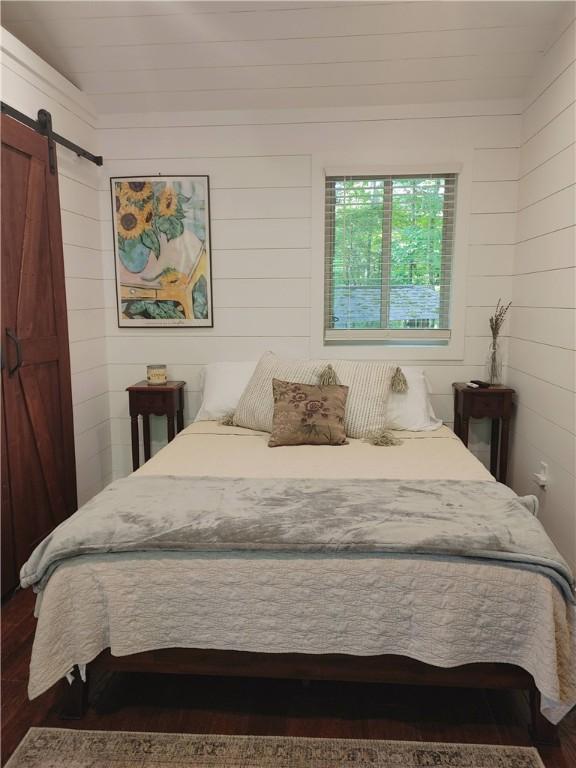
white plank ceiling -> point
(173, 56)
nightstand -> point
(158, 400)
(494, 403)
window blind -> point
(388, 249)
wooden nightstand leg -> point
(135, 442)
(457, 423)
(146, 426)
(494, 440)
(180, 412)
(170, 427)
(464, 430)
(505, 433)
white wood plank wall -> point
(543, 323)
(260, 168)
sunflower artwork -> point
(162, 248)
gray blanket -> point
(376, 517)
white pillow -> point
(366, 406)
(412, 409)
(223, 384)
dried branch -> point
(497, 319)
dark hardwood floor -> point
(266, 707)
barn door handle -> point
(12, 369)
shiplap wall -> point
(260, 174)
(29, 84)
(542, 331)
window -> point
(388, 243)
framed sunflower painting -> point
(162, 250)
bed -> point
(414, 619)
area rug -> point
(63, 748)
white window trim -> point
(419, 351)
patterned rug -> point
(61, 748)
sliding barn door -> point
(40, 486)
(8, 561)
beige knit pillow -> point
(368, 382)
(255, 409)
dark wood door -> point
(36, 387)
(9, 570)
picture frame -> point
(162, 251)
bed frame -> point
(336, 667)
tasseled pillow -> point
(398, 384)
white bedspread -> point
(206, 448)
(442, 613)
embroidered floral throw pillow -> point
(308, 414)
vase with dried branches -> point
(494, 361)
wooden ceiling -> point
(173, 56)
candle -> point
(156, 374)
